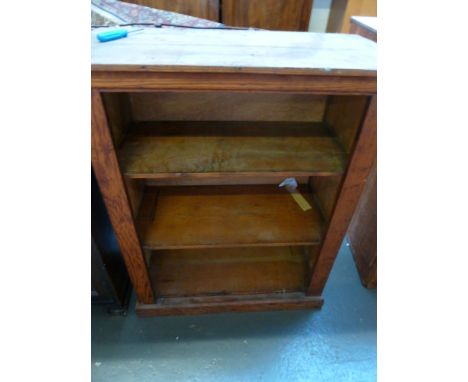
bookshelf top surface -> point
(178, 49)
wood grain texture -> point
(340, 83)
(344, 117)
(204, 9)
(226, 216)
(207, 149)
(342, 10)
(224, 106)
(106, 169)
(221, 180)
(285, 15)
(360, 164)
(201, 272)
(135, 188)
(218, 304)
(180, 50)
(118, 114)
(325, 191)
(362, 232)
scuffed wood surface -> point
(172, 49)
(191, 148)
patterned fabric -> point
(113, 12)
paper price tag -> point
(291, 185)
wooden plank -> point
(173, 49)
(225, 106)
(244, 82)
(362, 232)
(178, 273)
(286, 15)
(106, 169)
(231, 179)
(226, 216)
(215, 304)
(230, 148)
(360, 164)
(204, 9)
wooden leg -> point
(358, 169)
(106, 169)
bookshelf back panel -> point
(227, 106)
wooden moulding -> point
(247, 303)
(225, 216)
(120, 81)
(207, 149)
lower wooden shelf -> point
(230, 271)
(230, 279)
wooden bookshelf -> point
(192, 132)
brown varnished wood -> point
(288, 15)
(226, 216)
(358, 29)
(198, 149)
(205, 9)
(344, 116)
(362, 232)
(325, 190)
(117, 107)
(135, 188)
(360, 164)
(106, 169)
(228, 271)
(238, 82)
(232, 179)
(241, 303)
(342, 10)
(217, 217)
(224, 106)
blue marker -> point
(114, 34)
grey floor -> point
(336, 343)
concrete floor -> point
(336, 343)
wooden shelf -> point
(230, 271)
(225, 216)
(205, 149)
